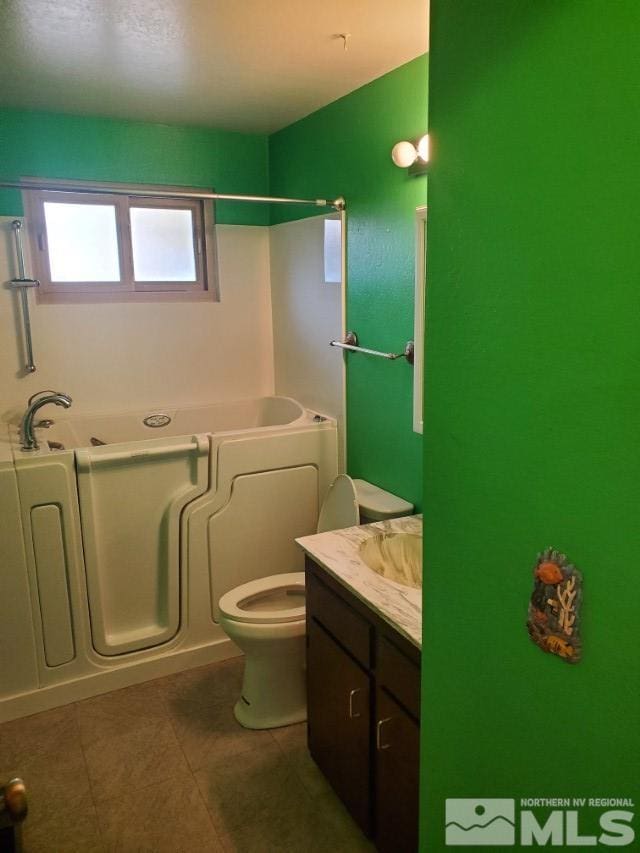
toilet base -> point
(274, 690)
(249, 720)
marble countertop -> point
(337, 552)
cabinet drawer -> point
(399, 676)
(347, 626)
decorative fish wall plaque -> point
(554, 609)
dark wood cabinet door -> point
(397, 767)
(338, 694)
(8, 842)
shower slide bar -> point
(21, 283)
(69, 187)
(350, 343)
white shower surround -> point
(124, 356)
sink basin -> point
(395, 556)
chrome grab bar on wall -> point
(350, 343)
(22, 283)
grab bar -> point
(22, 283)
(350, 343)
(86, 459)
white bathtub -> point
(133, 532)
(73, 431)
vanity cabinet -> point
(363, 692)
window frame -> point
(127, 289)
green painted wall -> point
(54, 145)
(532, 397)
(344, 149)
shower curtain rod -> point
(338, 203)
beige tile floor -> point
(163, 767)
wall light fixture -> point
(412, 155)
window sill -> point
(48, 298)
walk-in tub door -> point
(131, 500)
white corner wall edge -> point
(419, 322)
(307, 314)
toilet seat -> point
(340, 507)
(264, 601)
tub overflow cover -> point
(156, 420)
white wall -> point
(307, 314)
(113, 357)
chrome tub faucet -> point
(36, 402)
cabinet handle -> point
(379, 745)
(354, 715)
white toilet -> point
(266, 617)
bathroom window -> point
(332, 250)
(99, 246)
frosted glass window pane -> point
(162, 241)
(83, 242)
(332, 251)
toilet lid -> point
(277, 598)
(340, 507)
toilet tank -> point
(376, 504)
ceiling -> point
(248, 65)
